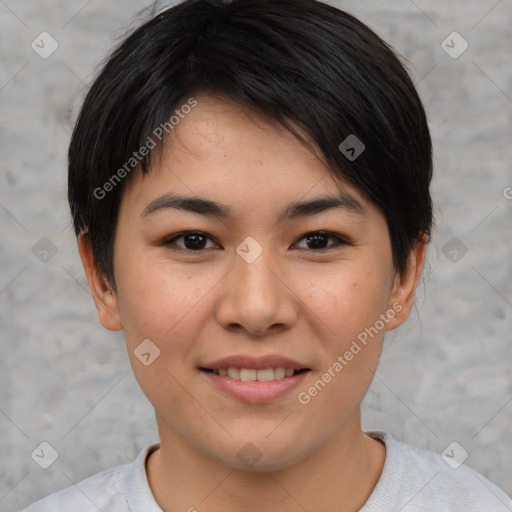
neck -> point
(338, 477)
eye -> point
(317, 240)
(193, 241)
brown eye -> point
(193, 241)
(318, 240)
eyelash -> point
(340, 241)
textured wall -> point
(445, 376)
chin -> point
(261, 456)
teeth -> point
(263, 375)
(249, 375)
(234, 373)
(279, 373)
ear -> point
(404, 286)
(104, 297)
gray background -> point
(446, 375)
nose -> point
(256, 297)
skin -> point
(293, 300)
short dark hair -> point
(302, 61)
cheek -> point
(160, 302)
(350, 305)
(163, 305)
(348, 302)
(352, 334)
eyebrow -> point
(296, 209)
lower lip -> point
(255, 392)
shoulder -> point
(414, 479)
(102, 491)
(108, 491)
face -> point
(259, 284)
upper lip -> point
(254, 363)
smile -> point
(250, 374)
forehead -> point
(219, 130)
(221, 149)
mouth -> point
(251, 374)
(254, 380)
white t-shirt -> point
(412, 480)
